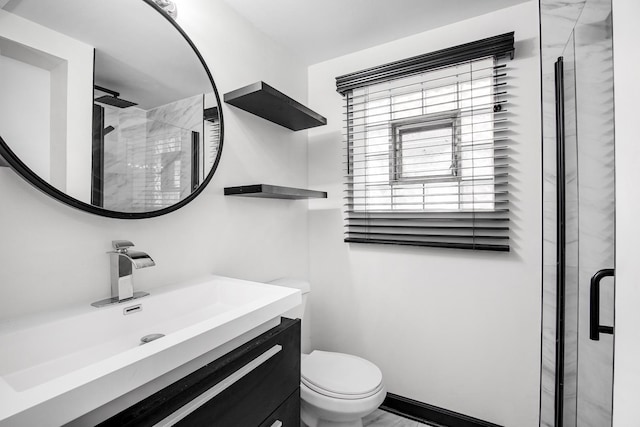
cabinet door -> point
(241, 388)
(251, 399)
(287, 415)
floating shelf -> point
(270, 104)
(274, 192)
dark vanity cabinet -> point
(255, 385)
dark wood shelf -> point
(264, 101)
(274, 192)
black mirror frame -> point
(32, 178)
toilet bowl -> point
(336, 389)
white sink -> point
(58, 366)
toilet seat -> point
(340, 376)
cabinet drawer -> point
(241, 388)
(287, 414)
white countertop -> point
(58, 366)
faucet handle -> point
(121, 245)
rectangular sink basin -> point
(81, 358)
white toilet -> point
(337, 390)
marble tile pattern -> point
(583, 25)
(148, 155)
(175, 122)
(119, 175)
(380, 418)
(185, 114)
(594, 81)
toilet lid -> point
(338, 374)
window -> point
(425, 148)
(426, 153)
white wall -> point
(70, 103)
(24, 112)
(53, 255)
(455, 329)
(626, 381)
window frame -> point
(437, 120)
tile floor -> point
(380, 418)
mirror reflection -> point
(112, 113)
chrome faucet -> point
(123, 260)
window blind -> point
(426, 155)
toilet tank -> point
(300, 312)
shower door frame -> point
(560, 243)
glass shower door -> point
(586, 208)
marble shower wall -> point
(572, 232)
(596, 167)
(580, 31)
(148, 155)
(129, 130)
(169, 149)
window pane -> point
(426, 153)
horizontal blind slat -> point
(425, 236)
(432, 227)
(364, 102)
(350, 178)
(476, 145)
(435, 172)
(501, 183)
(399, 205)
(352, 212)
(410, 216)
(450, 245)
(353, 197)
(427, 101)
(357, 165)
(497, 104)
(401, 89)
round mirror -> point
(106, 105)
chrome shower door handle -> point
(595, 329)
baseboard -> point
(430, 414)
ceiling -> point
(323, 29)
(129, 58)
